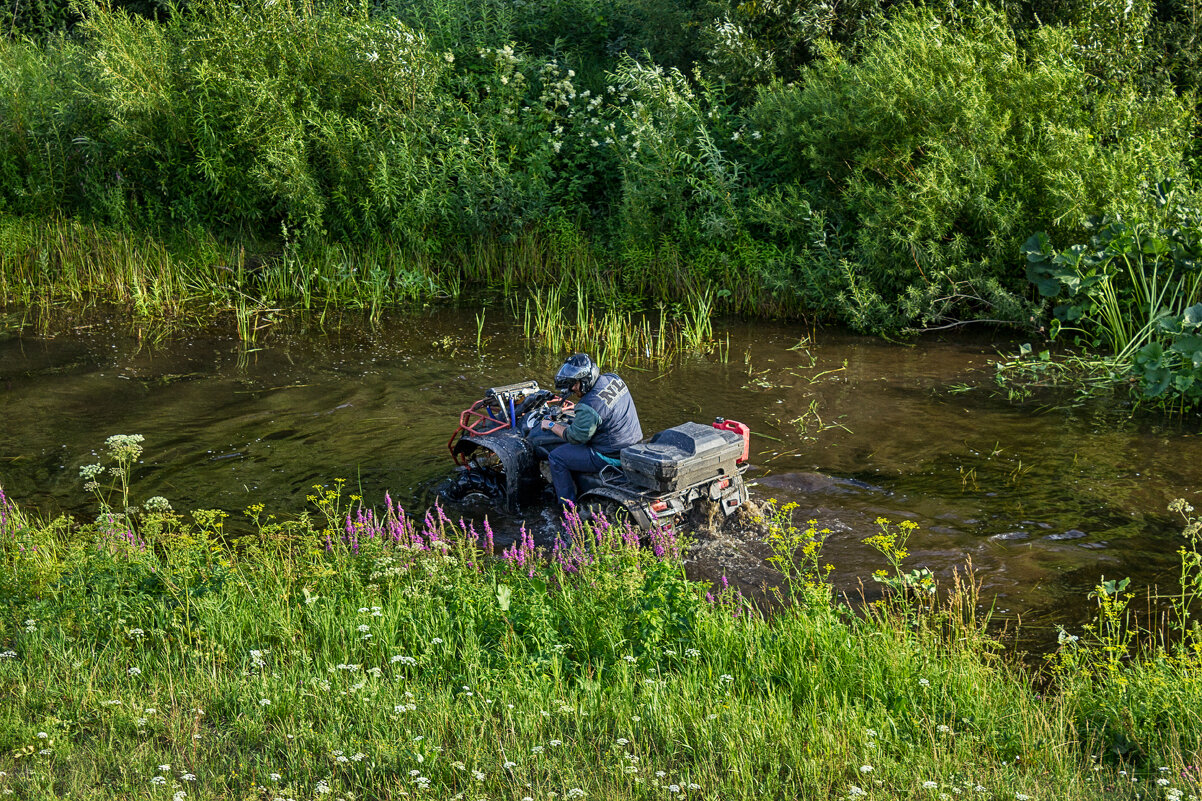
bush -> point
(935, 156)
(229, 119)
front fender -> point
(517, 458)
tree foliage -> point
(870, 163)
(944, 146)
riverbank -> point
(345, 654)
(430, 133)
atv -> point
(501, 452)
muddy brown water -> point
(1045, 495)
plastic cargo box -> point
(680, 456)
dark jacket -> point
(619, 422)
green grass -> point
(388, 657)
(59, 260)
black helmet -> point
(578, 367)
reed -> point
(61, 259)
(172, 285)
(616, 336)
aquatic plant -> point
(615, 336)
(1134, 294)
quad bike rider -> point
(507, 442)
(604, 423)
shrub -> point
(935, 155)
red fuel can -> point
(740, 429)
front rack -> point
(493, 413)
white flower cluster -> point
(389, 567)
(125, 447)
(157, 504)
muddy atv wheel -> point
(473, 484)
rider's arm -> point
(584, 425)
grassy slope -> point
(337, 656)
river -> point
(1045, 495)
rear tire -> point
(607, 508)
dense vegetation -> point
(351, 653)
(873, 163)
